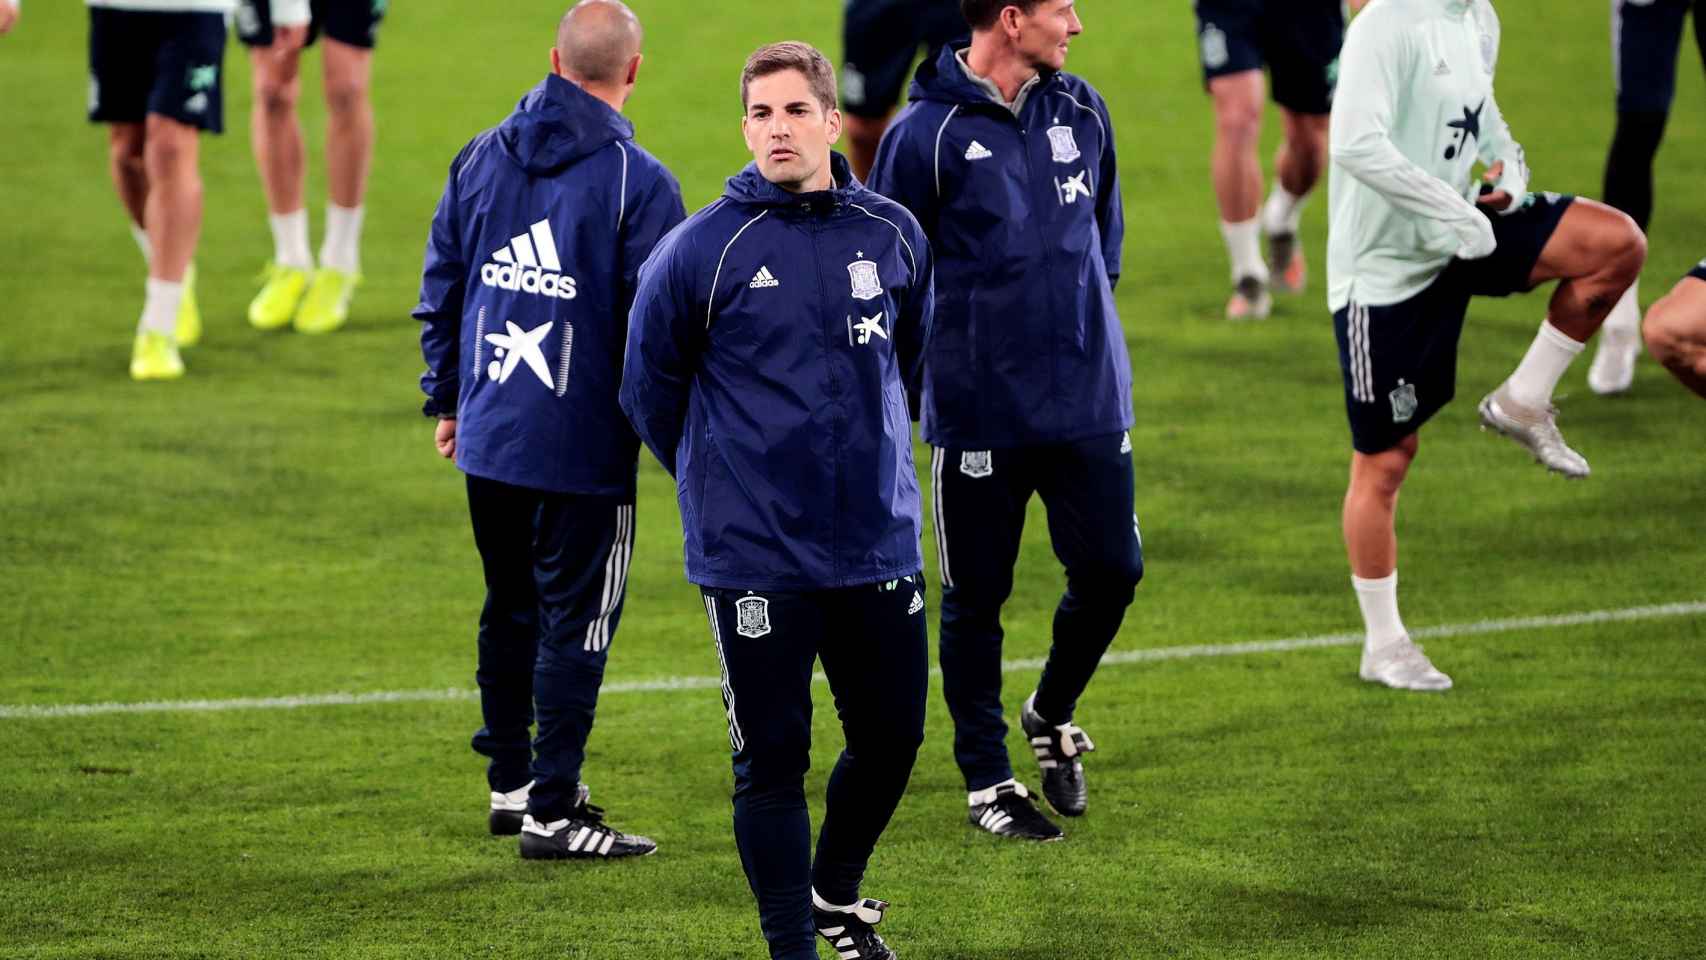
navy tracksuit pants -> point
(873, 644)
(556, 568)
(980, 499)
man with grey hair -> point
(531, 267)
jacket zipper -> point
(812, 227)
(1042, 241)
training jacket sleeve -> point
(665, 337)
(444, 279)
(913, 322)
(905, 172)
(645, 222)
(1371, 75)
(1497, 143)
(1110, 208)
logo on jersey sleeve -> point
(529, 264)
(1468, 128)
(867, 285)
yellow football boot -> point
(189, 315)
(281, 294)
(327, 305)
(155, 357)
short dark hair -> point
(791, 55)
(982, 14)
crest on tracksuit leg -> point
(976, 464)
(752, 616)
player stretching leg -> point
(1645, 37)
(1407, 251)
(773, 348)
(1676, 330)
(879, 40)
(276, 32)
(1298, 41)
(996, 132)
(530, 271)
(154, 69)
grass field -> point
(277, 525)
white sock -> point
(1626, 316)
(160, 308)
(1283, 211)
(1379, 602)
(290, 239)
(823, 904)
(1542, 367)
(987, 794)
(141, 237)
(342, 249)
(1244, 248)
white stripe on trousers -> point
(1362, 363)
(615, 579)
(737, 740)
(941, 528)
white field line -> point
(669, 684)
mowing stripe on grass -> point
(667, 684)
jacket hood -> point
(943, 81)
(750, 187)
(557, 123)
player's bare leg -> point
(172, 215)
(275, 133)
(1237, 171)
(349, 157)
(1301, 160)
(863, 136)
(1371, 543)
(1675, 332)
(130, 177)
(1595, 253)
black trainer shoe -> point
(508, 810)
(1058, 747)
(851, 932)
(1007, 810)
(582, 835)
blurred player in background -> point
(1406, 252)
(880, 38)
(1009, 164)
(1676, 330)
(1645, 38)
(276, 32)
(9, 12)
(155, 78)
(773, 354)
(530, 271)
(1298, 41)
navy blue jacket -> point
(530, 270)
(775, 341)
(1024, 215)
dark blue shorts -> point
(1297, 40)
(1400, 360)
(355, 22)
(1645, 38)
(143, 62)
(880, 39)
(1699, 271)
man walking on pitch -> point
(880, 39)
(1298, 41)
(154, 79)
(530, 270)
(1009, 164)
(773, 354)
(1407, 249)
(276, 32)
(1645, 37)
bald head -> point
(597, 43)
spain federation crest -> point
(752, 616)
(1064, 144)
(976, 464)
(1403, 402)
(866, 284)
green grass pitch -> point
(277, 524)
